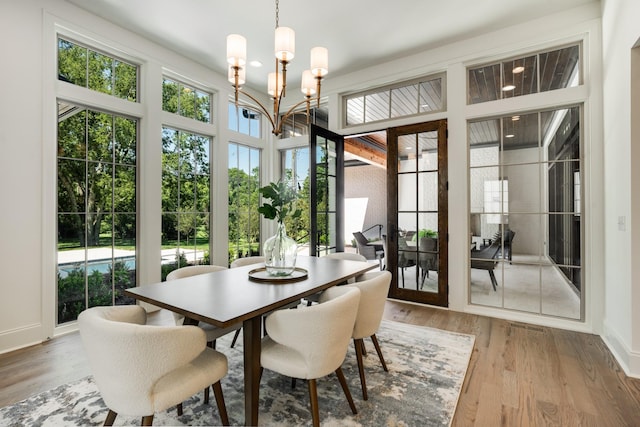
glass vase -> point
(280, 253)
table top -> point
(226, 297)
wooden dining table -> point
(226, 297)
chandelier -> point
(277, 81)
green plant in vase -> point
(279, 250)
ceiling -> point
(197, 29)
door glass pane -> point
(407, 224)
(407, 200)
(407, 149)
(428, 151)
(428, 191)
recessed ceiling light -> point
(255, 64)
(518, 70)
(515, 118)
(509, 136)
(508, 88)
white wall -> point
(622, 244)
(374, 190)
(20, 165)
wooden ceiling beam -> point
(365, 153)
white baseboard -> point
(21, 337)
(629, 360)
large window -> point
(244, 199)
(526, 237)
(96, 179)
(88, 68)
(186, 208)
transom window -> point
(82, 66)
(523, 75)
(186, 101)
(400, 100)
(244, 120)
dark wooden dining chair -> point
(485, 259)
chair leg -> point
(313, 397)
(206, 396)
(358, 345)
(222, 408)
(377, 346)
(494, 282)
(179, 408)
(147, 421)
(111, 417)
(402, 272)
(345, 388)
(235, 338)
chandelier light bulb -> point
(242, 75)
(274, 86)
(308, 86)
(285, 42)
(236, 50)
(319, 61)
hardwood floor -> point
(519, 374)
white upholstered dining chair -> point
(374, 288)
(349, 256)
(141, 369)
(249, 260)
(311, 342)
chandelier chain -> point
(277, 13)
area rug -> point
(426, 371)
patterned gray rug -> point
(426, 371)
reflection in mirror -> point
(525, 213)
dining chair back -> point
(249, 260)
(188, 271)
(141, 369)
(374, 288)
(350, 256)
(311, 342)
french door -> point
(417, 210)
(327, 192)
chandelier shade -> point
(284, 49)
